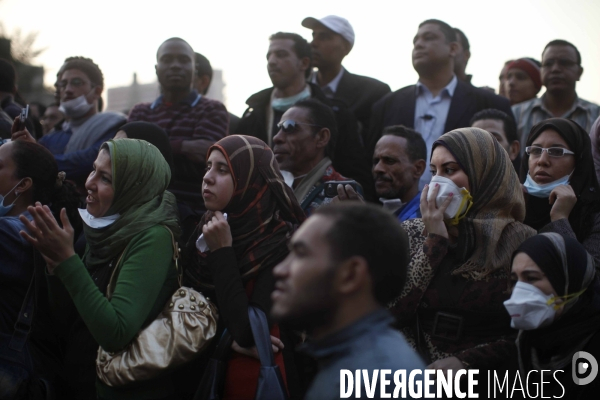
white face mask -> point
(461, 198)
(391, 204)
(97, 223)
(75, 108)
(529, 307)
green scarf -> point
(140, 176)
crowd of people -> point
(440, 226)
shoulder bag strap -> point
(262, 337)
(112, 283)
(24, 320)
(176, 255)
(113, 277)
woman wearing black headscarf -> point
(555, 304)
(563, 194)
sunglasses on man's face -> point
(290, 126)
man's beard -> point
(390, 193)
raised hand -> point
(217, 232)
(18, 134)
(563, 199)
(53, 242)
(433, 217)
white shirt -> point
(430, 117)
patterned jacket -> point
(456, 316)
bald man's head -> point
(175, 66)
(173, 39)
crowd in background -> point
(438, 226)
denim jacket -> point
(369, 343)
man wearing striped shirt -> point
(561, 69)
(192, 121)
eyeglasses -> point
(290, 126)
(536, 151)
(562, 62)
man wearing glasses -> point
(561, 69)
(76, 143)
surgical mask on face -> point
(97, 223)
(530, 308)
(75, 108)
(6, 209)
(544, 190)
(461, 198)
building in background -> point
(123, 98)
(30, 78)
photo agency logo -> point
(419, 384)
(584, 368)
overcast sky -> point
(122, 35)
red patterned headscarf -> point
(262, 213)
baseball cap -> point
(337, 24)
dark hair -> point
(34, 161)
(462, 38)
(560, 42)
(510, 128)
(85, 65)
(203, 66)
(446, 29)
(367, 231)
(301, 46)
(321, 115)
(416, 149)
(8, 76)
(533, 60)
(41, 107)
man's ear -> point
(514, 149)
(419, 168)
(323, 138)
(347, 47)
(467, 56)
(352, 275)
(453, 49)
(304, 64)
(580, 73)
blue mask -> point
(544, 190)
(6, 209)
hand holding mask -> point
(461, 199)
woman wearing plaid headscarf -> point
(252, 214)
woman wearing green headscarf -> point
(127, 221)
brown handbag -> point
(185, 327)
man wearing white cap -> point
(333, 38)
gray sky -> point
(122, 35)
